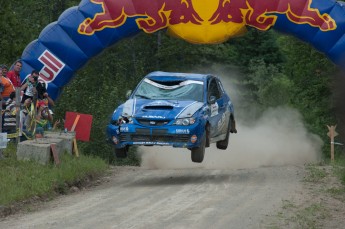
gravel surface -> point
(137, 197)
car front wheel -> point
(121, 152)
(199, 152)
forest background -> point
(268, 69)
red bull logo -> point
(263, 15)
(227, 18)
(152, 17)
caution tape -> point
(14, 135)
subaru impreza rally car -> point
(174, 109)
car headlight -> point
(122, 120)
(184, 121)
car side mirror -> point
(212, 99)
(128, 94)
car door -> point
(217, 106)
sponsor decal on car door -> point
(214, 109)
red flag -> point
(80, 123)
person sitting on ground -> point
(43, 118)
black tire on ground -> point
(122, 152)
(223, 144)
(199, 152)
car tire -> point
(121, 152)
(223, 144)
(199, 152)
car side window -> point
(222, 91)
(213, 89)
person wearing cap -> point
(14, 75)
(43, 118)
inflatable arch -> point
(83, 31)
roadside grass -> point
(305, 218)
(338, 170)
(314, 173)
(21, 180)
(295, 216)
(323, 202)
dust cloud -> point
(277, 137)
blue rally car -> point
(174, 109)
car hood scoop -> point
(160, 109)
(159, 105)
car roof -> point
(171, 76)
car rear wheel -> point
(223, 144)
(121, 152)
(199, 152)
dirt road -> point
(185, 198)
(244, 186)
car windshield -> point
(170, 90)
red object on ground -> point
(80, 123)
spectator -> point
(42, 93)
(35, 122)
(56, 124)
(32, 85)
(4, 70)
(14, 75)
(9, 116)
(43, 118)
(29, 87)
(6, 87)
(25, 124)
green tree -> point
(273, 87)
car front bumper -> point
(170, 135)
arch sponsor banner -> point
(83, 31)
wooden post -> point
(331, 133)
(75, 147)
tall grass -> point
(21, 180)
